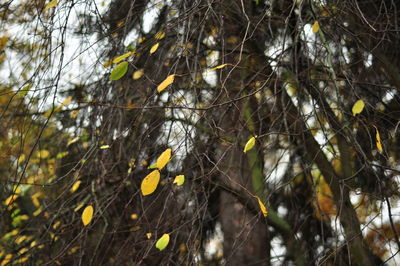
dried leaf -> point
(250, 144)
(162, 243)
(262, 207)
(168, 81)
(358, 107)
(154, 48)
(150, 183)
(103, 147)
(87, 215)
(119, 71)
(315, 27)
(164, 158)
(179, 180)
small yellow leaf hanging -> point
(87, 215)
(315, 27)
(51, 4)
(168, 81)
(138, 74)
(219, 67)
(378, 141)
(162, 243)
(75, 186)
(159, 35)
(154, 48)
(164, 158)
(148, 235)
(262, 207)
(179, 180)
(150, 183)
(103, 147)
(358, 107)
(121, 57)
(250, 144)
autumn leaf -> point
(250, 144)
(159, 35)
(315, 27)
(164, 158)
(262, 207)
(179, 180)
(138, 74)
(119, 71)
(162, 243)
(219, 67)
(148, 235)
(378, 141)
(168, 81)
(103, 147)
(75, 186)
(358, 107)
(154, 48)
(121, 57)
(150, 183)
(87, 215)
(51, 4)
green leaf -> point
(119, 71)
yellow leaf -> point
(77, 208)
(315, 27)
(138, 74)
(74, 114)
(162, 243)
(134, 216)
(179, 180)
(378, 140)
(262, 207)
(87, 215)
(150, 183)
(219, 67)
(168, 81)
(72, 141)
(250, 144)
(103, 147)
(66, 101)
(148, 235)
(159, 35)
(121, 57)
(164, 158)
(51, 4)
(75, 186)
(43, 154)
(10, 199)
(358, 107)
(154, 48)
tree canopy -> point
(204, 132)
